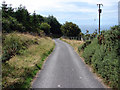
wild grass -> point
(19, 71)
(74, 43)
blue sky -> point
(81, 12)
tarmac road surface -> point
(65, 69)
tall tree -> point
(23, 16)
(11, 11)
(4, 9)
(40, 19)
(70, 29)
(55, 25)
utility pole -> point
(100, 11)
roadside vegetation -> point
(74, 43)
(102, 53)
(23, 56)
(21, 20)
(26, 43)
(70, 29)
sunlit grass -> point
(20, 69)
(74, 43)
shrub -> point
(46, 27)
(103, 55)
(84, 45)
(13, 44)
(107, 66)
(11, 24)
(97, 57)
(70, 29)
(89, 51)
(81, 47)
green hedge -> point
(84, 45)
(103, 55)
(89, 52)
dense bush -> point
(103, 55)
(55, 25)
(13, 44)
(88, 52)
(70, 29)
(84, 45)
(106, 64)
(46, 27)
(11, 24)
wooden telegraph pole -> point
(100, 11)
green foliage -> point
(11, 24)
(31, 72)
(13, 44)
(106, 64)
(103, 55)
(84, 45)
(93, 35)
(87, 35)
(20, 70)
(70, 29)
(21, 20)
(46, 27)
(88, 52)
(4, 9)
(81, 47)
(55, 25)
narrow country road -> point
(65, 69)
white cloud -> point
(57, 5)
(66, 6)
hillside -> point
(24, 58)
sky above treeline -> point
(81, 12)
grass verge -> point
(102, 59)
(19, 71)
(79, 47)
(74, 43)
